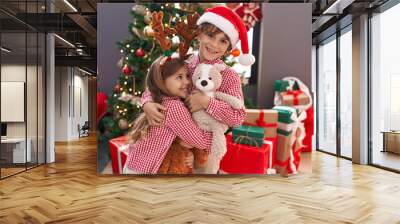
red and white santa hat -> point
(232, 25)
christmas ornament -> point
(120, 63)
(235, 52)
(117, 88)
(148, 31)
(126, 97)
(147, 18)
(138, 33)
(249, 12)
(139, 52)
(139, 9)
(175, 41)
(135, 100)
(123, 123)
(169, 6)
(127, 70)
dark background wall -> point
(285, 45)
(112, 26)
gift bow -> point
(298, 125)
(295, 94)
(246, 137)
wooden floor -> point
(70, 191)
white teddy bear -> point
(207, 78)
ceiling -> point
(76, 22)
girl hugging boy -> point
(219, 30)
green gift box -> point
(284, 132)
(248, 135)
(281, 85)
(285, 113)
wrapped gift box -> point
(296, 150)
(267, 119)
(281, 85)
(284, 85)
(118, 153)
(285, 119)
(309, 127)
(294, 98)
(245, 159)
(248, 135)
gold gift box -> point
(269, 118)
(289, 99)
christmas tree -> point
(138, 53)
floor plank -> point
(70, 191)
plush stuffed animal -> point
(207, 78)
(174, 160)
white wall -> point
(12, 73)
(33, 127)
(71, 93)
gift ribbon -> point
(270, 170)
(282, 163)
(297, 138)
(252, 140)
(121, 149)
(261, 123)
(295, 94)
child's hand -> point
(189, 160)
(197, 101)
(153, 113)
(184, 144)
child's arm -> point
(152, 110)
(222, 111)
(180, 121)
(146, 97)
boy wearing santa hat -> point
(219, 31)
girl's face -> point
(179, 83)
(212, 46)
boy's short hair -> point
(210, 28)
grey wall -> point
(286, 47)
(112, 26)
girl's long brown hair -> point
(155, 83)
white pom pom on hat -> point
(232, 25)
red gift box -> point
(309, 128)
(245, 159)
(118, 153)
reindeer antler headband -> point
(186, 31)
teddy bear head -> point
(208, 78)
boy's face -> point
(179, 83)
(212, 46)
